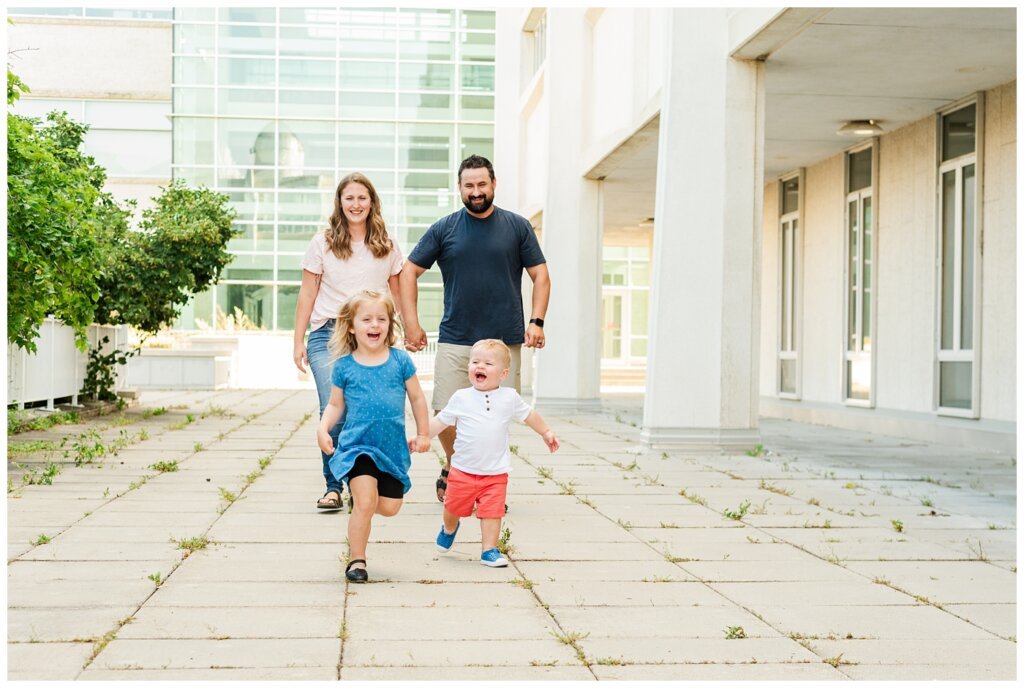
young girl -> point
(370, 381)
(353, 253)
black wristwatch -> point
(539, 322)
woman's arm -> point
(335, 407)
(307, 296)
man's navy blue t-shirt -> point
(482, 264)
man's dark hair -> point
(475, 162)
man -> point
(482, 251)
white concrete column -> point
(702, 364)
(569, 368)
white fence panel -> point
(57, 369)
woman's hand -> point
(323, 438)
(299, 356)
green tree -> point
(180, 247)
(56, 208)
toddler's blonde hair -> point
(343, 341)
(494, 345)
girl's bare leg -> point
(364, 504)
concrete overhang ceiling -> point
(894, 66)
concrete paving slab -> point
(1000, 619)
(929, 672)
(808, 570)
(46, 661)
(66, 593)
(236, 622)
(211, 654)
(431, 594)
(567, 571)
(992, 652)
(439, 623)
(690, 621)
(56, 624)
(946, 582)
(246, 594)
(761, 671)
(801, 594)
(326, 673)
(911, 622)
(100, 552)
(197, 569)
(457, 653)
(602, 593)
(712, 650)
(459, 673)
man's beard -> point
(478, 207)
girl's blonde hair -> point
(338, 238)
(343, 340)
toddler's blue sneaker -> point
(493, 558)
(446, 540)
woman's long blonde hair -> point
(338, 238)
(343, 340)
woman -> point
(352, 254)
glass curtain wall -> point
(273, 106)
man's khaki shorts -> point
(451, 372)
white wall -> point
(112, 59)
(905, 275)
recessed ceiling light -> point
(860, 127)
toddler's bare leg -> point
(451, 521)
(490, 529)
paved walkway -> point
(830, 555)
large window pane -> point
(246, 40)
(430, 304)
(476, 139)
(193, 141)
(426, 45)
(424, 209)
(787, 376)
(425, 106)
(425, 146)
(193, 70)
(197, 313)
(790, 195)
(311, 73)
(477, 108)
(305, 144)
(289, 268)
(306, 103)
(366, 105)
(194, 176)
(859, 173)
(638, 310)
(858, 376)
(193, 101)
(426, 181)
(365, 145)
(295, 237)
(477, 20)
(322, 17)
(477, 77)
(254, 301)
(241, 71)
(252, 237)
(287, 300)
(786, 297)
(192, 38)
(246, 101)
(309, 41)
(955, 384)
(866, 277)
(854, 247)
(967, 266)
(949, 271)
(478, 47)
(958, 132)
(264, 15)
(305, 206)
(426, 18)
(250, 267)
(425, 77)
(246, 142)
(368, 75)
(367, 43)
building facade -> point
(827, 201)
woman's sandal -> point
(326, 502)
(356, 575)
(442, 485)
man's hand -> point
(419, 444)
(323, 438)
(415, 337)
(550, 440)
(534, 336)
(299, 356)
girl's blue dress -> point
(374, 415)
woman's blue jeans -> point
(321, 363)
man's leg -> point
(451, 373)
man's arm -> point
(415, 337)
(541, 294)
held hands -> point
(534, 336)
(415, 337)
(419, 444)
(323, 439)
(299, 356)
(550, 440)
